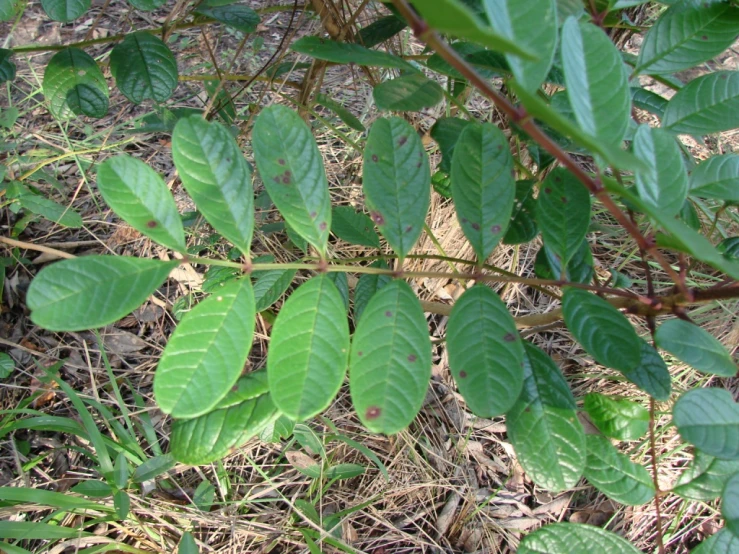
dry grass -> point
(454, 483)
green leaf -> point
(390, 360)
(92, 291)
(523, 227)
(380, 30)
(239, 17)
(88, 100)
(615, 475)
(144, 68)
(67, 70)
(696, 347)
(7, 365)
(9, 9)
(650, 374)
(147, 5)
(341, 281)
(454, 18)
(647, 100)
(717, 177)
(206, 353)
(563, 213)
(485, 352)
(309, 349)
(7, 67)
(616, 417)
(597, 83)
(410, 92)
(63, 215)
(120, 471)
(122, 504)
(344, 114)
(61, 501)
(487, 63)
(729, 248)
(548, 265)
(543, 427)
(397, 182)
(65, 10)
(705, 477)
(28, 530)
(574, 538)
(664, 182)
(446, 132)
(187, 545)
(708, 104)
(483, 187)
(601, 329)
(93, 489)
(366, 288)
(354, 227)
(531, 25)
(730, 504)
(270, 286)
(217, 177)
(292, 170)
(153, 468)
(684, 36)
(709, 420)
(212, 436)
(345, 52)
(723, 542)
(139, 195)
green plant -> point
(565, 88)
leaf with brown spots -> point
(390, 360)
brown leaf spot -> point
(462, 374)
(402, 141)
(313, 215)
(374, 157)
(276, 179)
(510, 337)
(564, 200)
(704, 37)
(476, 226)
(286, 177)
(388, 314)
(409, 228)
(151, 224)
(495, 229)
(373, 412)
(322, 226)
(411, 357)
(547, 190)
(360, 353)
(377, 218)
(281, 161)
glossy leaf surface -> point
(543, 427)
(270, 286)
(396, 182)
(139, 195)
(574, 538)
(217, 177)
(696, 347)
(206, 353)
(485, 352)
(292, 170)
(308, 353)
(483, 187)
(92, 291)
(144, 68)
(709, 420)
(66, 71)
(390, 360)
(705, 478)
(616, 417)
(708, 104)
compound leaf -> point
(309, 349)
(531, 25)
(597, 83)
(717, 177)
(397, 182)
(65, 10)
(292, 171)
(206, 353)
(601, 329)
(708, 104)
(709, 420)
(485, 352)
(563, 214)
(543, 426)
(217, 177)
(617, 418)
(92, 291)
(239, 17)
(483, 187)
(354, 227)
(615, 475)
(390, 360)
(705, 477)
(663, 183)
(139, 195)
(574, 538)
(696, 347)
(411, 92)
(144, 68)
(685, 36)
(67, 70)
(723, 542)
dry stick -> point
(524, 120)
